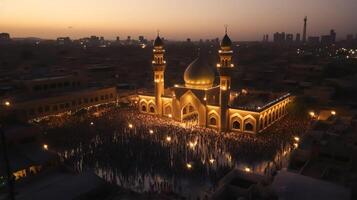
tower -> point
(225, 67)
(158, 65)
(304, 33)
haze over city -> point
(177, 19)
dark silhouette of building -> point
(289, 38)
(329, 39)
(304, 32)
(297, 39)
(279, 37)
(4, 37)
(63, 41)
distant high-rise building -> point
(279, 37)
(188, 40)
(333, 35)
(118, 39)
(265, 38)
(289, 38)
(128, 38)
(304, 32)
(329, 39)
(297, 39)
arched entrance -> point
(189, 115)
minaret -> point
(225, 67)
(304, 33)
(158, 65)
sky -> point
(247, 20)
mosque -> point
(209, 105)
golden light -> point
(170, 115)
(168, 139)
(189, 166)
(192, 144)
(204, 99)
(130, 126)
(211, 160)
(247, 169)
(176, 85)
(312, 113)
(151, 131)
(297, 139)
(333, 112)
(45, 147)
(91, 123)
(296, 145)
(7, 103)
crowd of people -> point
(147, 153)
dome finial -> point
(158, 32)
(225, 28)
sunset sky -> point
(176, 19)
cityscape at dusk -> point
(199, 19)
(178, 100)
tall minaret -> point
(158, 65)
(225, 67)
(304, 33)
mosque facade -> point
(209, 105)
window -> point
(96, 99)
(152, 109)
(102, 97)
(111, 95)
(47, 108)
(213, 121)
(236, 125)
(191, 109)
(55, 108)
(143, 108)
(248, 127)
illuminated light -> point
(223, 88)
(312, 113)
(204, 98)
(45, 147)
(297, 139)
(143, 46)
(130, 126)
(333, 112)
(170, 115)
(247, 169)
(219, 51)
(189, 166)
(151, 131)
(164, 62)
(136, 102)
(7, 103)
(232, 65)
(285, 152)
(91, 123)
(211, 160)
(168, 139)
(218, 65)
(296, 145)
(176, 85)
(192, 144)
(153, 62)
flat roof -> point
(292, 186)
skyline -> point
(247, 20)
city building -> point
(43, 96)
(314, 40)
(298, 39)
(4, 37)
(202, 103)
(289, 38)
(63, 41)
(329, 39)
(279, 37)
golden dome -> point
(199, 74)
